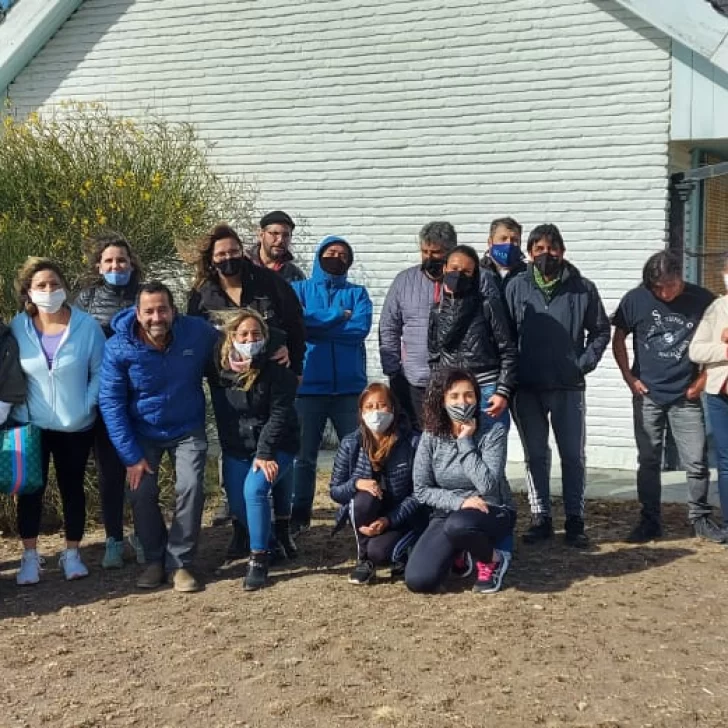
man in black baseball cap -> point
(273, 247)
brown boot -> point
(184, 581)
(152, 577)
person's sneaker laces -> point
(136, 545)
(113, 555)
(462, 565)
(705, 528)
(73, 567)
(363, 573)
(644, 531)
(490, 575)
(30, 568)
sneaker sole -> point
(187, 589)
(27, 583)
(75, 577)
(356, 582)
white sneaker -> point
(72, 566)
(30, 568)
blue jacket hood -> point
(317, 273)
(124, 321)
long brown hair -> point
(202, 259)
(24, 279)
(378, 452)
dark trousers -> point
(365, 509)
(70, 452)
(410, 399)
(111, 474)
(450, 533)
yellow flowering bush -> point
(76, 169)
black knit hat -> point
(277, 216)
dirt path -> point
(622, 636)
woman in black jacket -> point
(114, 278)
(471, 332)
(12, 379)
(372, 475)
(252, 397)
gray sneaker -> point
(707, 529)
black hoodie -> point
(12, 379)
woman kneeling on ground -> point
(458, 472)
(252, 397)
(372, 474)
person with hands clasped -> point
(662, 315)
(458, 472)
(253, 397)
(338, 317)
(372, 480)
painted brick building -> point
(371, 117)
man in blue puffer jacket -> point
(338, 317)
(152, 402)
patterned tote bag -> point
(20, 460)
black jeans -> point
(111, 474)
(410, 399)
(450, 533)
(70, 452)
(365, 509)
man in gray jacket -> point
(405, 316)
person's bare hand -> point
(476, 503)
(375, 527)
(639, 389)
(465, 429)
(497, 404)
(280, 356)
(724, 336)
(269, 468)
(135, 473)
(369, 486)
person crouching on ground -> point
(372, 475)
(253, 396)
(458, 472)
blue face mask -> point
(118, 278)
(505, 254)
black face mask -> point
(458, 283)
(433, 267)
(333, 266)
(230, 267)
(548, 265)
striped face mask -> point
(461, 412)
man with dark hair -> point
(563, 331)
(404, 320)
(662, 315)
(273, 248)
(152, 403)
(504, 257)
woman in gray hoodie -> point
(458, 473)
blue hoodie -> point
(150, 393)
(63, 397)
(335, 361)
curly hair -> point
(202, 260)
(231, 326)
(94, 248)
(24, 279)
(379, 452)
(436, 420)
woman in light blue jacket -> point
(61, 349)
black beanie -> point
(279, 217)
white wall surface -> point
(371, 117)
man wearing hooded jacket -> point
(12, 379)
(338, 318)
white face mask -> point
(250, 349)
(725, 281)
(48, 302)
(378, 420)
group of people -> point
(467, 344)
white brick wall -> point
(371, 117)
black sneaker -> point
(363, 573)
(239, 543)
(300, 522)
(707, 529)
(286, 545)
(574, 533)
(397, 571)
(541, 529)
(222, 514)
(646, 530)
(257, 571)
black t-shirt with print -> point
(661, 333)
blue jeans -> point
(718, 413)
(485, 394)
(313, 412)
(248, 492)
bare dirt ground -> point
(619, 636)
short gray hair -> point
(439, 232)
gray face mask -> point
(461, 412)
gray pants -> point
(566, 410)
(688, 428)
(189, 456)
